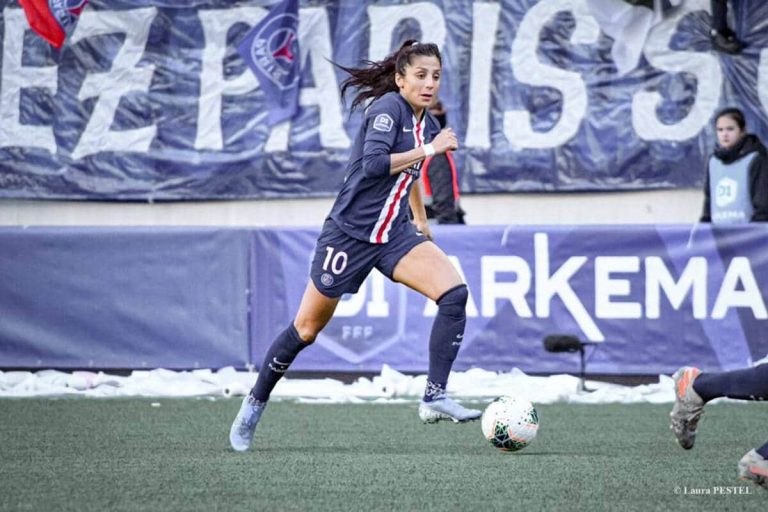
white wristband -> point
(429, 150)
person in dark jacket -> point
(440, 181)
(723, 38)
(736, 185)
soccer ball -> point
(510, 423)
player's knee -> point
(307, 330)
(454, 301)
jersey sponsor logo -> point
(414, 171)
(383, 123)
(326, 279)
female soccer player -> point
(736, 185)
(369, 227)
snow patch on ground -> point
(389, 386)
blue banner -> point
(150, 100)
(653, 297)
(128, 298)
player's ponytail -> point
(378, 78)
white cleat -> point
(754, 468)
(446, 409)
(241, 432)
(688, 407)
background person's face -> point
(728, 132)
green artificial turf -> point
(126, 454)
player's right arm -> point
(445, 140)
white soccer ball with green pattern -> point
(510, 423)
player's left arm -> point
(419, 212)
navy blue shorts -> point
(341, 263)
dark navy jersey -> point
(373, 204)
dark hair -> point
(378, 78)
(735, 114)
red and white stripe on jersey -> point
(391, 208)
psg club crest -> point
(66, 11)
(275, 49)
(271, 50)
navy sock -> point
(763, 451)
(445, 339)
(279, 357)
(748, 384)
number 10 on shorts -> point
(337, 262)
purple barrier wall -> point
(125, 298)
(655, 297)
